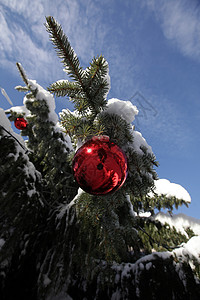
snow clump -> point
(124, 109)
(169, 189)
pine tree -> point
(59, 242)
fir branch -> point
(22, 73)
(99, 91)
(20, 88)
(97, 83)
(92, 82)
(98, 68)
(158, 235)
(65, 88)
(70, 122)
(64, 50)
(116, 127)
(164, 201)
(80, 104)
(84, 131)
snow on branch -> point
(124, 109)
(140, 143)
(170, 189)
(42, 94)
(28, 168)
(190, 250)
(180, 221)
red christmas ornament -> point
(20, 123)
(100, 166)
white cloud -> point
(17, 45)
(180, 23)
(32, 11)
(6, 36)
(164, 123)
(24, 38)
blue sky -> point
(153, 51)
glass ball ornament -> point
(100, 166)
(20, 123)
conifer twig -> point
(159, 244)
(22, 73)
(65, 51)
(64, 88)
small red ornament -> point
(20, 123)
(100, 166)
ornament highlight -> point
(100, 166)
(20, 123)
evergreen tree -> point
(59, 242)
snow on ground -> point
(169, 189)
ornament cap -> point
(102, 138)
